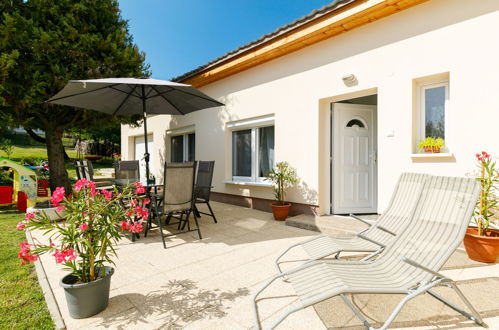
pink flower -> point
(83, 226)
(124, 225)
(64, 255)
(59, 256)
(129, 213)
(483, 156)
(59, 208)
(145, 214)
(58, 195)
(139, 189)
(136, 227)
(82, 183)
(146, 201)
(25, 254)
(29, 216)
(70, 254)
(134, 202)
(107, 194)
(20, 226)
(137, 209)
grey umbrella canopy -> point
(129, 96)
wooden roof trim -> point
(309, 34)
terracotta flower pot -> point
(280, 211)
(432, 150)
(482, 248)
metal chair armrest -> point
(385, 230)
(417, 265)
(360, 219)
(370, 240)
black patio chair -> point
(203, 187)
(127, 170)
(85, 170)
(177, 199)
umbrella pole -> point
(146, 155)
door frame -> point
(331, 156)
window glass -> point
(177, 149)
(191, 143)
(241, 153)
(435, 112)
(265, 150)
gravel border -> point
(52, 305)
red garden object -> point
(22, 201)
(42, 188)
(6, 194)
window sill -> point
(249, 183)
(430, 155)
(442, 156)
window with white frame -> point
(252, 149)
(433, 110)
(182, 145)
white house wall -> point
(454, 38)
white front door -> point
(354, 159)
(140, 149)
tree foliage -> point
(46, 43)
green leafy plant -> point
(95, 221)
(488, 178)
(431, 144)
(282, 176)
(7, 147)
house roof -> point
(318, 13)
(338, 17)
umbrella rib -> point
(150, 91)
(128, 93)
(164, 98)
(86, 92)
(162, 93)
(124, 100)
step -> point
(330, 224)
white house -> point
(344, 95)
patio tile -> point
(209, 283)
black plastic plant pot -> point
(87, 299)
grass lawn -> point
(22, 305)
(31, 153)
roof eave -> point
(299, 34)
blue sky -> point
(180, 35)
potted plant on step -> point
(282, 176)
(482, 243)
(431, 145)
(85, 242)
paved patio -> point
(209, 283)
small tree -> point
(283, 176)
(6, 146)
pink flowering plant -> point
(95, 221)
(487, 204)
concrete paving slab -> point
(209, 283)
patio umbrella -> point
(129, 96)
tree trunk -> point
(38, 138)
(58, 173)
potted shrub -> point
(431, 145)
(85, 242)
(282, 176)
(482, 243)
